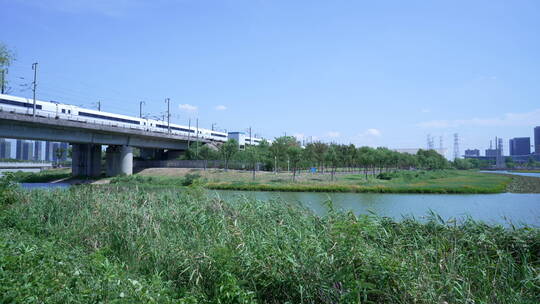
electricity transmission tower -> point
(430, 143)
(456, 146)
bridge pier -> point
(86, 160)
(119, 160)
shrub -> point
(7, 190)
(190, 178)
(385, 176)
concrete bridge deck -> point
(87, 139)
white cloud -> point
(187, 107)
(333, 134)
(220, 108)
(373, 132)
(508, 119)
(370, 137)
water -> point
(31, 186)
(503, 208)
(533, 174)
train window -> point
(69, 111)
(63, 110)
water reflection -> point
(31, 186)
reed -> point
(184, 246)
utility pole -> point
(140, 108)
(99, 105)
(250, 138)
(168, 101)
(34, 84)
(213, 124)
(3, 81)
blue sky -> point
(368, 72)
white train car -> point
(58, 110)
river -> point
(504, 208)
(531, 174)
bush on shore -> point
(206, 250)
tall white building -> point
(5, 149)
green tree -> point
(59, 153)
(6, 57)
(462, 164)
(253, 155)
(206, 153)
(265, 157)
(319, 150)
(431, 160)
(331, 158)
(366, 158)
(278, 149)
(295, 156)
(310, 154)
(228, 150)
(192, 153)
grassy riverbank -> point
(89, 245)
(45, 176)
(523, 184)
(526, 171)
(447, 181)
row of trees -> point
(285, 153)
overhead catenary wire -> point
(54, 91)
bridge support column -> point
(119, 160)
(86, 160)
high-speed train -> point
(58, 110)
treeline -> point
(286, 153)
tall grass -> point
(206, 250)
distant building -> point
(240, 137)
(537, 140)
(243, 139)
(492, 152)
(24, 150)
(5, 149)
(55, 149)
(472, 152)
(520, 146)
(49, 151)
(38, 148)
